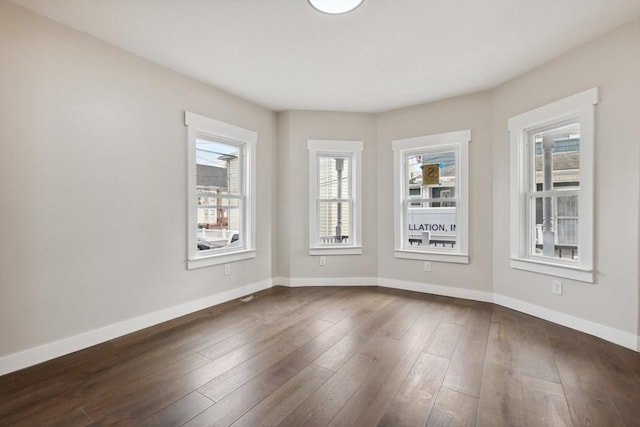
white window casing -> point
(453, 142)
(578, 109)
(351, 152)
(204, 128)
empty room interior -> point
(260, 212)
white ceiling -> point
(284, 55)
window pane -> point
(432, 175)
(219, 222)
(217, 177)
(333, 222)
(557, 158)
(556, 227)
(432, 227)
(218, 166)
(567, 213)
(334, 177)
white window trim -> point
(353, 149)
(581, 105)
(201, 126)
(400, 147)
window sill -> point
(433, 256)
(352, 250)
(580, 274)
(220, 259)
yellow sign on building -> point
(430, 174)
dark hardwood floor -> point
(340, 357)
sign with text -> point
(431, 174)
(434, 220)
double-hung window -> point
(221, 205)
(431, 193)
(335, 212)
(552, 188)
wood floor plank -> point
(444, 340)
(538, 362)
(266, 330)
(17, 396)
(320, 407)
(361, 401)
(138, 405)
(74, 418)
(532, 331)
(412, 404)
(454, 311)
(369, 408)
(366, 296)
(589, 403)
(545, 403)
(399, 324)
(220, 387)
(340, 353)
(179, 412)
(501, 401)
(224, 384)
(134, 402)
(274, 409)
(58, 406)
(39, 376)
(453, 409)
(467, 363)
(620, 379)
(244, 398)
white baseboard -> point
(427, 288)
(42, 353)
(297, 282)
(616, 336)
(385, 283)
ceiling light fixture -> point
(335, 7)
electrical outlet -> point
(323, 261)
(427, 266)
(556, 287)
(227, 269)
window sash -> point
(532, 239)
(328, 240)
(451, 236)
(332, 240)
(409, 200)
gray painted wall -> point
(93, 172)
